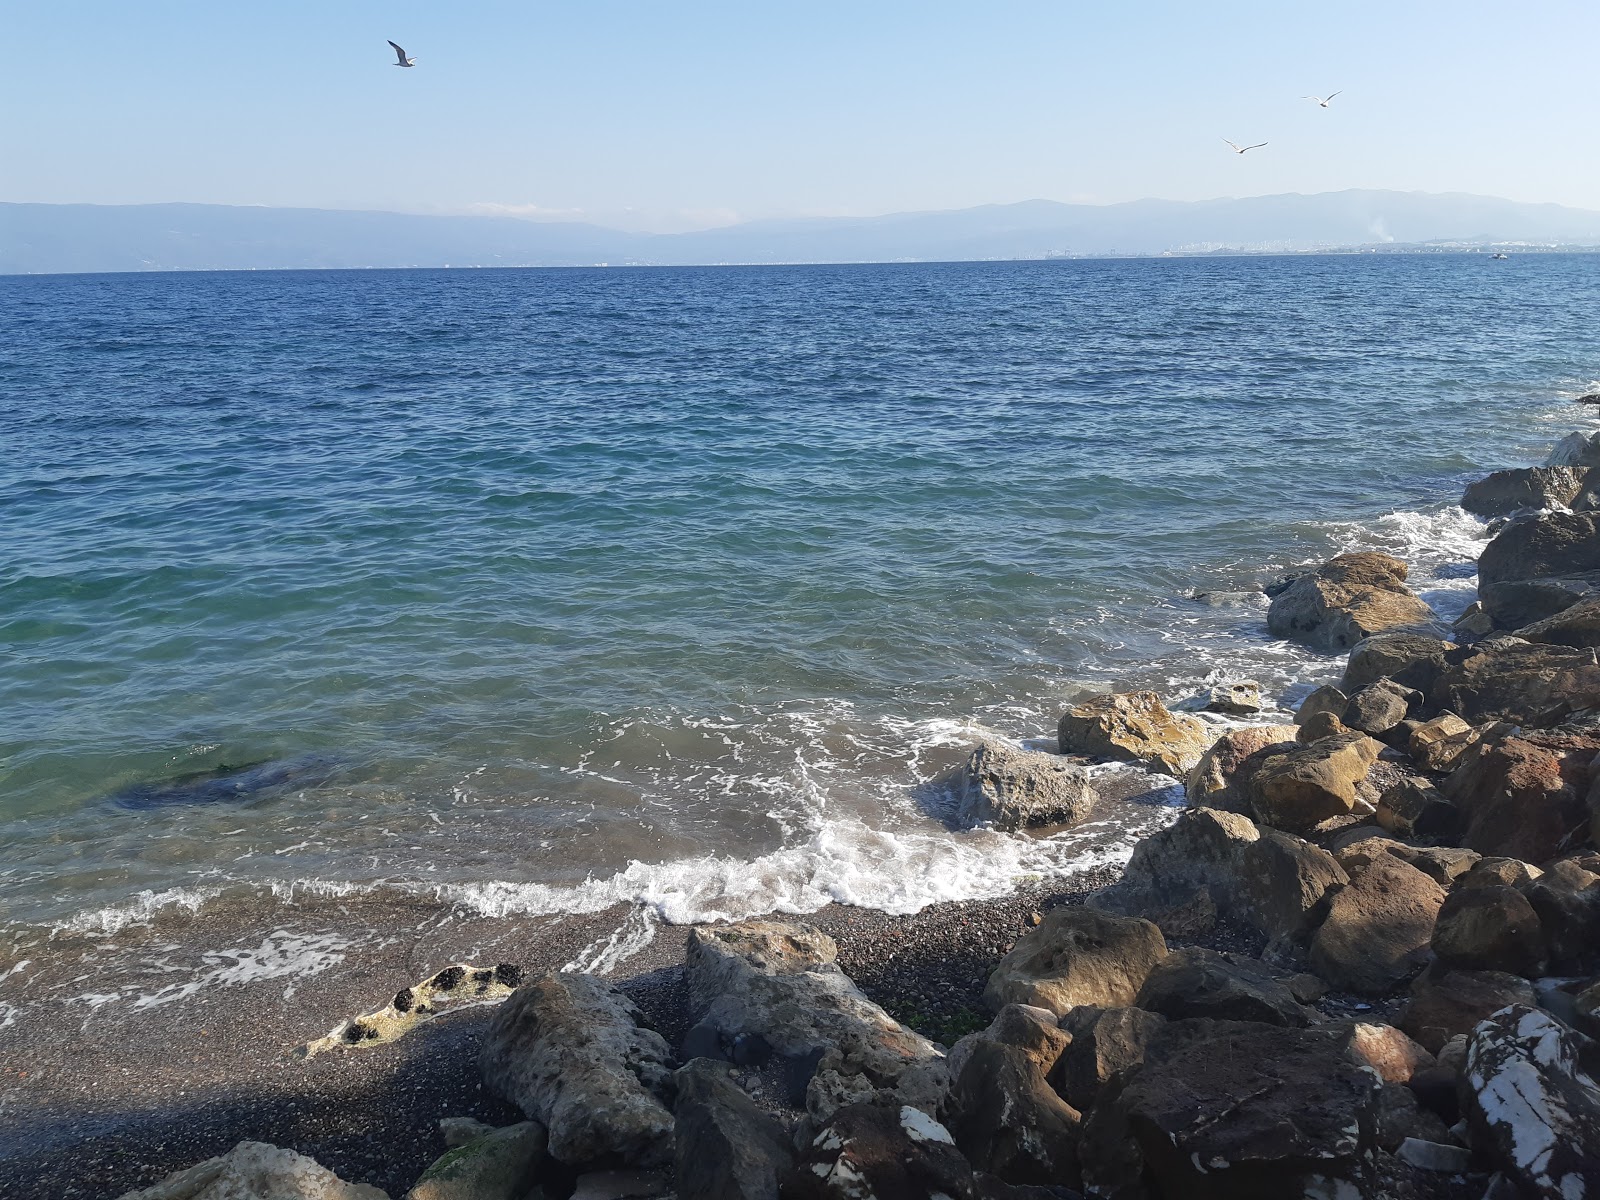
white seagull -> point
(1238, 149)
(401, 55)
(1321, 102)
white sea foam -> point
(605, 955)
(138, 911)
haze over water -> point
(525, 576)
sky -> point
(663, 116)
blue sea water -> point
(549, 588)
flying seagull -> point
(1241, 149)
(1322, 103)
(401, 55)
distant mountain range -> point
(171, 237)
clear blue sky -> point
(664, 115)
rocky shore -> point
(1363, 962)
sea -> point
(541, 591)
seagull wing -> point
(1235, 145)
(399, 53)
(1257, 146)
(1331, 95)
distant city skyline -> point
(645, 117)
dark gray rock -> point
(1517, 603)
(1196, 982)
(1001, 1110)
(1379, 707)
(1446, 1003)
(1104, 1041)
(1412, 660)
(726, 1147)
(1504, 492)
(1489, 929)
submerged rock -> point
(257, 1171)
(1134, 727)
(1077, 956)
(573, 1053)
(1348, 598)
(1013, 789)
(1532, 1106)
(1239, 699)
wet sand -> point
(99, 1096)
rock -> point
(1412, 808)
(1222, 863)
(1320, 725)
(1505, 492)
(257, 1171)
(1525, 796)
(1238, 699)
(1346, 599)
(1518, 603)
(779, 980)
(1221, 778)
(1388, 1051)
(1134, 727)
(1379, 707)
(1002, 1112)
(1577, 627)
(1376, 934)
(1524, 682)
(1499, 871)
(1473, 623)
(878, 1152)
(1013, 789)
(1567, 901)
(1196, 982)
(1445, 1003)
(1220, 1110)
(1550, 546)
(1443, 864)
(621, 1185)
(725, 1148)
(1326, 699)
(458, 1131)
(1077, 956)
(1436, 745)
(1399, 1116)
(1104, 1041)
(573, 1053)
(1412, 660)
(1434, 1156)
(1575, 450)
(499, 1165)
(1531, 1106)
(1489, 929)
(1301, 788)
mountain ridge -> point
(66, 238)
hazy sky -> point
(666, 115)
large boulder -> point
(1489, 929)
(1196, 982)
(1376, 933)
(1077, 956)
(257, 1171)
(1379, 707)
(1210, 864)
(1104, 1041)
(1549, 546)
(1436, 745)
(1412, 808)
(1525, 796)
(1412, 660)
(726, 1147)
(1517, 603)
(1567, 901)
(498, 1165)
(1220, 1110)
(1504, 492)
(1388, 1051)
(1575, 450)
(1529, 683)
(1577, 626)
(1221, 778)
(1299, 789)
(1011, 788)
(1134, 727)
(573, 1053)
(1346, 599)
(778, 981)
(1003, 1113)
(876, 1151)
(1446, 1003)
(1531, 1105)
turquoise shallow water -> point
(530, 575)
